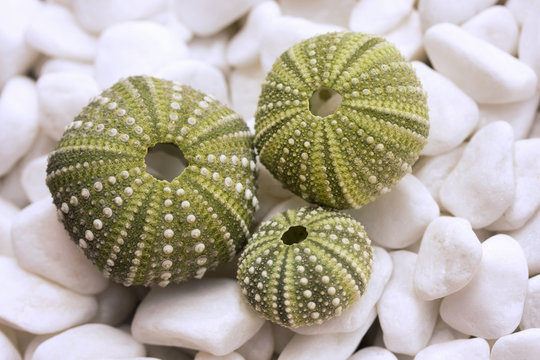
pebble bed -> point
(456, 271)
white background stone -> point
(477, 349)
(520, 345)
(379, 16)
(33, 179)
(531, 310)
(527, 236)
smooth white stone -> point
(408, 37)
(32, 345)
(8, 351)
(520, 115)
(244, 48)
(483, 71)
(322, 11)
(481, 309)
(449, 256)
(535, 130)
(33, 179)
(408, 209)
(115, 304)
(212, 49)
(18, 120)
(200, 76)
(520, 9)
(531, 310)
(282, 32)
(439, 11)
(522, 345)
(444, 333)
(407, 321)
(54, 65)
(481, 187)
(55, 33)
(527, 196)
(379, 16)
(8, 211)
(96, 15)
(62, 96)
(135, 48)
(52, 254)
(462, 349)
(168, 19)
(497, 26)
(336, 346)
(453, 115)
(207, 17)
(201, 355)
(529, 41)
(260, 346)
(356, 315)
(527, 236)
(16, 56)
(208, 315)
(282, 336)
(245, 84)
(432, 170)
(373, 353)
(89, 341)
(35, 305)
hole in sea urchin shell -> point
(294, 235)
(165, 161)
(324, 101)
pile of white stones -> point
(457, 255)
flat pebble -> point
(35, 305)
(489, 155)
(408, 209)
(529, 41)
(54, 32)
(208, 315)
(8, 212)
(321, 11)
(449, 256)
(211, 49)
(115, 304)
(444, 333)
(245, 84)
(96, 15)
(406, 320)
(531, 310)
(477, 349)
(496, 25)
(438, 11)
(89, 341)
(201, 355)
(379, 16)
(54, 65)
(357, 314)
(52, 254)
(8, 349)
(453, 115)
(483, 71)
(18, 124)
(62, 96)
(491, 304)
(33, 179)
(527, 236)
(135, 48)
(520, 9)
(336, 346)
(373, 353)
(408, 37)
(260, 346)
(197, 17)
(522, 345)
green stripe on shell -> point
(348, 158)
(310, 281)
(138, 229)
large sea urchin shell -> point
(305, 266)
(349, 157)
(136, 228)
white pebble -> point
(321, 11)
(135, 48)
(373, 353)
(208, 315)
(211, 49)
(282, 205)
(448, 258)
(33, 179)
(444, 333)
(115, 304)
(520, 9)
(483, 71)
(55, 65)
(408, 209)
(245, 84)
(439, 11)
(52, 254)
(202, 355)
(7, 348)
(407, 321)
(18, 124)
(477, 349)
(260, 346)
(379, 16)
(529, 41)
(8, 211)
(531, 310)
(35, 305)
(89, 341)
(408, 37)
(453, 115)
(481, 309)
(523, 345)
(481, 187)
(527, 236)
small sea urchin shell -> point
(305, 266)
(342, 157)
(139, 229)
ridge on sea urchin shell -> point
(136, 228)
(305, 266)
(345, 157)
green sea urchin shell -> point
(305, 266)
(136, 228)
(349, 157)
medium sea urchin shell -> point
(136, 228)
(345, 158)
(305, 266)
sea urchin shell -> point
(136, 228)
(342, 157)
(305, 266)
